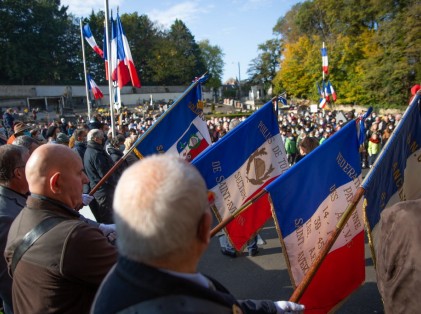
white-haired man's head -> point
(159, 206)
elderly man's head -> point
(161, 211)
(13, 160)
(56, 171)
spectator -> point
(97, 164)
(373, 149)
(19, 129)
(398, 262)
(8, 121)
(13, 193)
(160, 251)
(62, 271)
(28, 142)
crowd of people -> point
(49, 170)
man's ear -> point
(55, 183)
(204, 227)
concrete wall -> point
(16, 95)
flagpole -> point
(88, 102)
(110, 83)
(139, 140)
(301, 288)
(323, 72)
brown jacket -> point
(62, 271)
(398, 255)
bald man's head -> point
(56, 171)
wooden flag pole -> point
(230, 218)
(140, 139)
(301, 288)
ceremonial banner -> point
(308, 201)
(396, 174)
(238, 166)
(181, 130)
(96, 92)
(91, 40)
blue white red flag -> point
(324, 60)
(181, 130)
(235, 170)
(308, 201)
(91, 40)
(396, 174)
(105, 55)
(331, 91)
(94, 88)
(118, 69)
(322, 99)
(125, 53)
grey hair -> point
(10, 159)
(158, 203)
(95, 133)
(25, 141)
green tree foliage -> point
(212, 56)
(263, 68)
(40, 44)
(374, 49)
(35, 39)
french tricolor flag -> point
(324, 60)
(239, 166)
(331, 91)
(118, 69)
(125, 53)
(186, 138)
(396, 174)
(91, 40)
(94, 88)
(308, 201)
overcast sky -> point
(236, 26)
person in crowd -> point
(13, 194)
(8, 121)
(290, 148)
(131, 158)
(19, 129)
(398, 257)
(115, 149)
(51, 134)
(160, 251)
(373, 149)
(97, 164)
(62, 139)
(62, 269)
(307, 145)
(28, 142)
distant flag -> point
(235, 170)
(322, 99)
(324, 60)
(125, 54)
(118, 69)
(396, 174)
(308, 201)
(326, 91)
(91, 40)
(94, 88)
(181, 130)
(331, 91)
(283, 100)
(105, 55)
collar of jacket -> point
(95, 145)
(41, 201)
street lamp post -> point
(239, 81)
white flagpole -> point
(323, 72)
(110, 83)
(88, 102)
